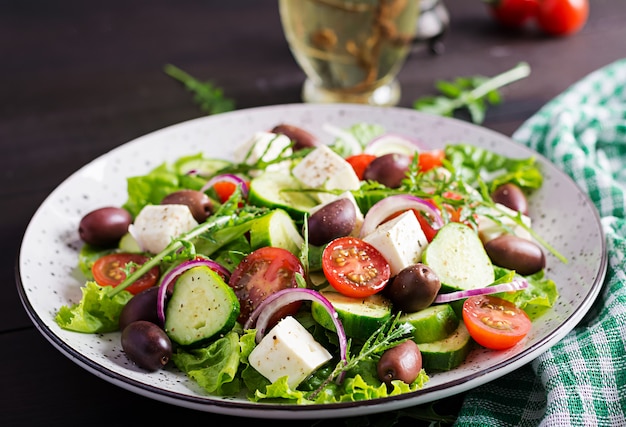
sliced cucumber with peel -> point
(433, 323)
(360, 317)
(276, 229)
(280, 190)
(459, 258)
(202, 307)
(448, 353)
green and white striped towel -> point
(580, 381)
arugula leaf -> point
(473, 93)
(209, 97)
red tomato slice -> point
(430, 159)
(354, 267)
(360, 162)
(495, 323)
(260, 274)
(109, 270)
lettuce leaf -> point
(97, 312)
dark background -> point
(79, 78)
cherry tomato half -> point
(109, 270)
(430, 159)
(260, 274)
(495, 323)
(224, 189)
(360, 162)
(354, 267)
(562, 17)
(513, 13)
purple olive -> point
(414, 288)
(402, 362)
(389, 169)
(105, 226)
(511, 196)
(146, 345)
(516, 253)
(199, 203)
(335, 219)
(301, 138)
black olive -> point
(146, 345)
(516, 253)
(142, 306)
(199, 203)
(511, 196)
(335, 219)
(402, 362)
(105, 226)
(300, 137)
(414, 288)
(389, 169)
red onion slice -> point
(264, 312)
(398, 203)
(171, 276)
(515, 285)
(227, 177)
(392, 143)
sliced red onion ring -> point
(515, 285)
(171, 276)
(398, 203)
(392, 143)
(264, 312)
(228, 177)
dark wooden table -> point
(80, 78)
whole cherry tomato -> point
(513, 13)
(562, 17)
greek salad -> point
(303, 272)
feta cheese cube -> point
(324, 169)
(289, 350)
(264, 146)
(488, 229)
(156, 225)
(400, 240)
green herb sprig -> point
(209, 97)
(473, 93)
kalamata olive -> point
(402, 362)
(389, 169)
(414, 288)
(105, 226)
(511, 196)
(300, 137)
(142, 306)
(335, 219)
(199, 203)
(516, 253)
(146, 345)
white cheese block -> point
(266, 146)
(156, 225)
(289, 350)
(400, 240)
(359, 215)
(488, 229)
(324, 169)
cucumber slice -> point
(128, 244)
(202, 306)
(276, 229)
(447, 353)
(459, 258)
(280, 190)
(202, 166)
(433, 323)
(361, 317)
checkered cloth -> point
(581, 381)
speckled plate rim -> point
(46, 277)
